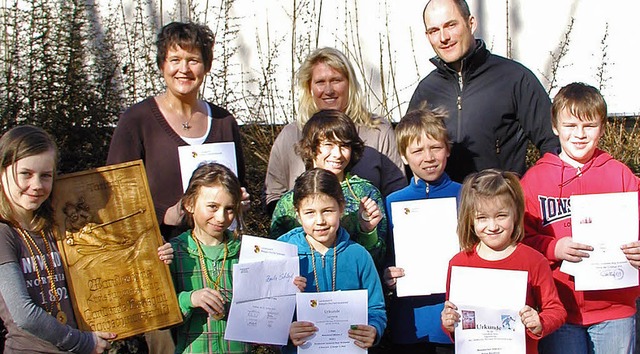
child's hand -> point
(300, 282)
(101, 340)
(531, 320)
(571, 251)
(209, 300)
(364, 335)
(632, 252)
(245, 199)
(165, 253)
(449, 316)
(300, 331)
(368, 214)
(390, 275)
(174, 214)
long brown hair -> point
(16, 144)
(209, 175)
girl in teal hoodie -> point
(329, 259)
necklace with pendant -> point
(313, 266)
(185, 124)
(203, 266)
(31, 246)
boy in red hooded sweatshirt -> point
(600, 321)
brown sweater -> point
(144, 133)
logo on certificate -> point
(313, 303)
(506, 322)
(256, 249)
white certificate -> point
(488, 297)
(268, 278)
(483, 330)
(605, 222)
(264, 321)
(191, 156)
(255, 248)
(263, 291)
(425, 239)
(491, 288)
(332, 313)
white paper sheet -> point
(332, 313)
(605, 222)
(268, 278)
(259, 248)
(483, 330)
(488, 296)
(489, 288)
(425, 239)
(191, 156)
(264, 321)
(263, 291)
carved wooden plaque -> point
(108, 235)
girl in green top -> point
(203, 260)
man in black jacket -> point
(495, 105)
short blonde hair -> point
(356, 108)
(418, 122)
(486, 186)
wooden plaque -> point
(108, 235)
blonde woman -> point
(326, 80)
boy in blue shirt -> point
(423, 143)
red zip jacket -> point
(547, 187)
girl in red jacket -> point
(490, 227)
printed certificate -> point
(605, 222)
(332, 313)
(424, 235)
(263, 292)
(488, 301)
(482, 330)
(191, 156)
(256, 248)
(264, 321)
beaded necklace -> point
(364, 215)
(31, 245)
(313, 265)
(203, 267)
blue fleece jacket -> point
(416, 319)
(354, 270)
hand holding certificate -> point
(605, 222)
(496, 325)
(331, 321)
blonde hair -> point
(418, 122)
(356, 108)
(484, 186)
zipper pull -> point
(459, 103)
(497, 146)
